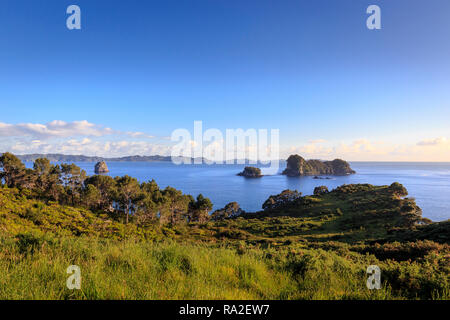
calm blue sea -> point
(428, 183)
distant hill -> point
(57, 157)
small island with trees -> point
(297, 166)
(251, 172)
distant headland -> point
(68, 158)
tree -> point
(320, 190)
(175, 205)
(73, 178)
(281, 200)
(398, 189)
(91, 197)
(42, 166)
(42, 169)
(27, 179)
(232, 209)
(54, 187)
(199, 210)
(106, 187)
(149, 202)
(128, 192)
(147, 209)
(13, 170)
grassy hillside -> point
(314, 247)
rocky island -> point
(101, 167)
(251, 172)
(297, 166)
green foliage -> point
(138, 270)
(21, 215)
(350, 212)
(311, 247)
(29, 242)
(320, 190)
(120, 197)
(105, 187)
(199, 209)
(127, 193)
(281, 200)
(398, 189)
(34, 268)
(232, 209)
(13, 170)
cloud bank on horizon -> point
(83, 137)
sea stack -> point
(297, 166)
(101, 167)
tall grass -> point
(33, 267)
(136, 270)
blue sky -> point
(309, 68)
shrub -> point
(28, 242)
(320, 190)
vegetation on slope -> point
(165, 247)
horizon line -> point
(224, 162)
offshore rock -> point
(101, 167)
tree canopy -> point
(124, 198)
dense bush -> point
(320, 190)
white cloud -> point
(62, 129)
(318, 141)
(434, 142)
(83, 137)
(365, 150)
(139, 135)
(92, 148)
(54, 129)
(77, 137)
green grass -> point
(129, 270)
(34, 267)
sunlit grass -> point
(144, 270)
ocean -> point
(428, 183)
